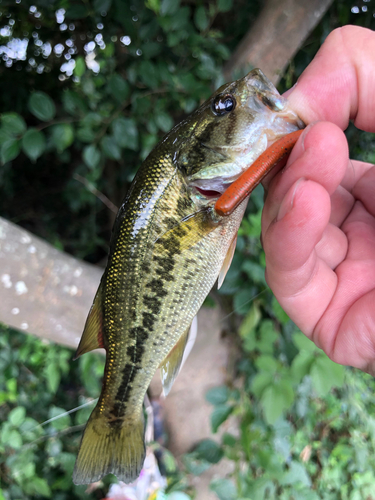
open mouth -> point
(208, 193)
(212, 189)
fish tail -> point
(110, 447)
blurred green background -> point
(87, 88)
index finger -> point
(339, 84)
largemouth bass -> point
(168, 248)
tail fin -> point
(106, 448)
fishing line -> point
(62, 415)
(244, 304)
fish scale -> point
(168, 247)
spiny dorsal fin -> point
(170, 367)
(92, 336)
(227, 262)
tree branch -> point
(43, 291)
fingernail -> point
(288, 202)
(289, 91)
(302, 145)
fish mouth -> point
(212, 189)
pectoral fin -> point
(227, 262)
(189, 231)
(170, 367)
(92, 336)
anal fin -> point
(170, 367)
(227, 262)
(92, 336)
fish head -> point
(225, 135)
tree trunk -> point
(275, 37)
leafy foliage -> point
(37, 381)
(102, 82)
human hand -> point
(318, 224)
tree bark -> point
(43, 291)
(275, 37)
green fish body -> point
(168, 248)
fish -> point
(168, 248)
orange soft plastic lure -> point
(243, 186)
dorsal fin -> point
(170, 367)
(92, 336)
(227, 262)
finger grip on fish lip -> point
(169, 246)
(244, 185)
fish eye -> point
(223, 104)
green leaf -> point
(251, 321)
(267, 363)
(38, 486)
(224, 5)
(209, 450)
(194, 465)
(153, 5)
(125, 133)
(279, 312)
(148, 73)
(17, 416)
(243, 298)
(80, 67)
(102, 5)
(229, 440)
(303, 343)
(62, 136)
(163, 121)
(73, 103)
(118, 87)
(9, 150)
(33, 143)
(219, 415)
(13, 123)
(110, 148)
(267, 337)
(91, 156)
(200, 18)
(85, 134)
(218, 395)
(52, 375)
(4, 135)
(254, 271)
(169, 7)
(13, 439)
(296, 474)
(275, 400)
(42, 106)
(326, 374)
(63, 420)
(224, 489)
(301, 365)
(260, 382)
